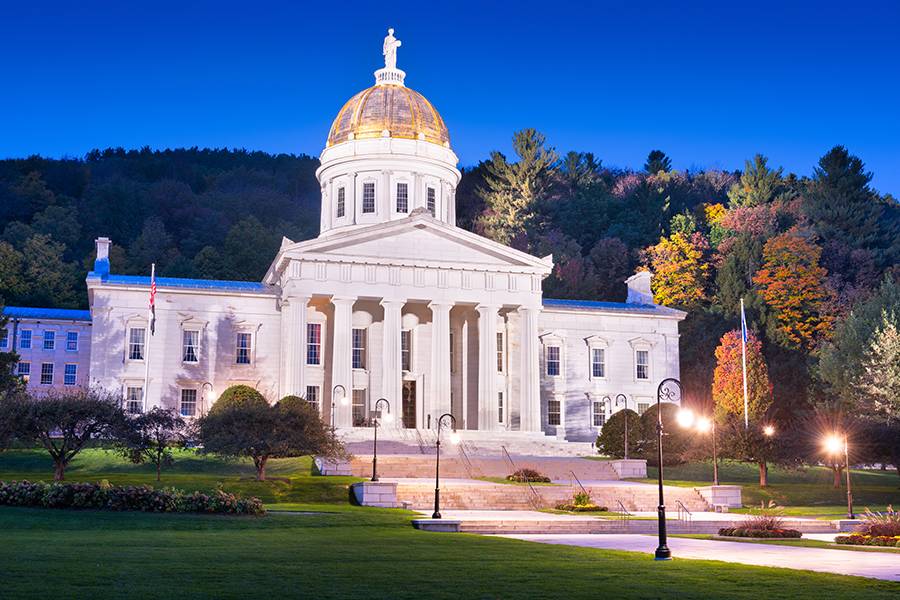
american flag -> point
(153, 299)
(743, 322)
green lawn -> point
(328, 549)
(800, 491)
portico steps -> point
(454, 466)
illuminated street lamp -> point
(834, 445)
(703, 425)
(342, 400)
(662, 551)
(454, 439)
(769, 430)
(387, 418)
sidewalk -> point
(863, 564)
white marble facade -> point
(391, 300)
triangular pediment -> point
(419, 240)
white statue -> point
(390, 50)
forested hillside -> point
(815, 259)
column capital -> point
(392, 302)
(296, 299)
(524, 308)
(487, 308)
(441, 304)
(343, 300)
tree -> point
(513, 191)
(151, 436)
(681, 269)
(611, 263)
(64, 423)
(657, 161)
(880, 378)
(734, 277)
(758, 185)
(792, 284)
(243, 423)
(611, 441)
(51, 280)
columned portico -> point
(341, 358)
(439, 402)
(487, 367)
(529, 383)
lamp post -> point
(624, 400)
(375, 442)
(835, 444)
(703, 425)
(662, 551)
(437, 465)
(342, 400)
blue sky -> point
(710, 83)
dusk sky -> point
(707, 83)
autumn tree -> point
(513, 190)
(681, 269)
(792, 284)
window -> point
(554, 412)
(70, 374)
(49, 340)
(430, 201)
(188, 407)
(598, 362)
(313, 343)
(553, 361)
(642, 407)
(406, 350)
(24, 371)
(368, 203)
(242, 346)
(4, 338)
(134, 400)
(499, 407)
(642, 359)
(359, 408)
(341, 203)
(599, 414)
(25, 339)
(136, 343)
(189, 346)
(46, 373)
(499, 352)
(312, 396)
(71, 341)
(402, 198)
(359, 348)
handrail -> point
(572, 473)
(467, 464)
(624, 513)
(683, 513)
(536, 500)
(421, 441)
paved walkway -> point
(876, 565)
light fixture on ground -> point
(387, 419)
(454, 439)
(342, 400)
(834, 445)
(702, 424)
(671, 389)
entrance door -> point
(409, 404)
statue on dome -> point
(390, 50)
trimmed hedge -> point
(103, 496)
(747, 532)
(858, 539)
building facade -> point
(391, 300)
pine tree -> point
(657, 161)
(759, 184)
(880, 379)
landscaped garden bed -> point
(763, 526)
(879, 529)
(528, 476)
(581, 502)
(103, 496)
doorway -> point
(409, 404)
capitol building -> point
(391, 300)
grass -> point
(808, 489)
(328, 549)
(801, 543)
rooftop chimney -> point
(639, 288)
(101, 263)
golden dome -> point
(402, 112)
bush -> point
(528, 475)
(747, 532)
(103, 496)
(611, 441)
(581, 502)
(878, 524)
(860, 539)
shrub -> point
(103, 496)
(881, 524)
(581, 502)
(611, 441)
(861, 539)
(748, 532)
(530, 475)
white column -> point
(341, 359)
(529, 378)
(391, 371)
(297, 366)
(464, 372)
(287, 348)
(439, 401)
(487, 367)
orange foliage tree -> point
(680, 268)
(792, 284)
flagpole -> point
(744, 363)
(148, 336)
